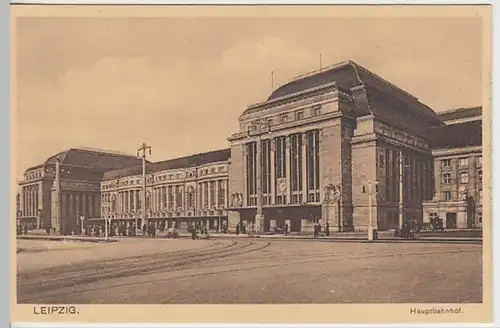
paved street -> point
(250, 271)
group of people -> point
(198, 230)
(317, 229)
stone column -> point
(245, 176)
(438, 179)
(78, 202)
(91, 212)
(84, 207)
(174, 198)
(29, 201)
(209, 185)
(272, 178)
(217, 185)
(202, 189)
(304, 168)
(21, 201)
(71, 208)
(288, 170)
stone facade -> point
(458, 174)
(194, 188)
(362, 123)
(55, 195)
(314, 144)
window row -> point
(462, 161)
(295, 169)
(286, 118)
(463, 177)
(448, 195)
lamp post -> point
(402, 166)
(368, 189)
(256, 130)
(141, 152)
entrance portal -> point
(451, 220)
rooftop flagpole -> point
(272, 81)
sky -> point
(180, 83)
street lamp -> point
(256, 130)
(402, 166)
(141, 152)
(368, 188)
(107, 222)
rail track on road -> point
(236, 256)
(52, 279)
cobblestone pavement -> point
(255, 271)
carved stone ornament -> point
(332, 193)
(463, 192)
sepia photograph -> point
(319, 160)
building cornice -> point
(294, 124)
(291, 96)
(456, 151)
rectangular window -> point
(299, 115)
(251, 152)
(447, 195)
(464, 161)
(480, 176)
(464, 176)
(446, 178)
(296, 162)
(480, 194)
(270, 121)
(284, 119)
(205, 195)
(433, 216)
(479, 160)
(317, 110)
(212, 194)
(480, 217)
(445, 163)
(171, 198)
(222, 193)
(312, 165)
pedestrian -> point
(286, 229)
(327, 229)
(238, 228)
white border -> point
(5, 147)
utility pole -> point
(141, 152)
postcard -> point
(251, 164)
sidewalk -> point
(383, 236)
(66, 238)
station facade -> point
(315, 143)
(179, 190)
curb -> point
(68, 238)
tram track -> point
(76, 278)
(237, 263)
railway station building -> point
(316, 143)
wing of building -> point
(458, 170)
(80, 171)
(318, 145)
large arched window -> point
(190, 197)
